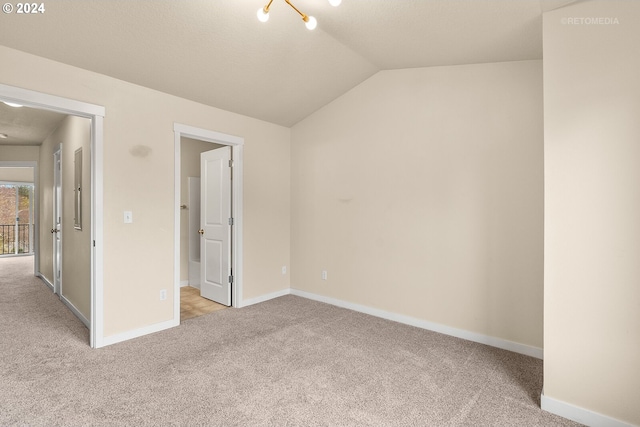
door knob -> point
(201, 231)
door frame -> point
(57, 210)
(96, 114)
(192, 230)
(237, 146)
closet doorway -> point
(190, 143)
(195, 298)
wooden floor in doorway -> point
(193, 305)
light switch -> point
(128, 217)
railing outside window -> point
(9, 244)
(16, 218)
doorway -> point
(236, 148)
(95, 114)
(194, 297)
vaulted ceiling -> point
(216, 52)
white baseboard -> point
(578, 414)
(75, 311)
(45, 280)
(184, 283)
(66, 302)
(266, 297)
(114, 339)
(431, 326)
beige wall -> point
(76, 244)
(12, 153)
(138, 176)
(23, 174)
(190, 150)
(421, 193)
(592, 209)
(72, 133)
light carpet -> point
(285, 362)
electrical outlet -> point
(284, 269)
(163, 294)
(324, 274)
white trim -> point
(237, 148)
(266, 297)
(36, 219)
(97, 233)
(579, 414)
(124, 336)
(16, 182)
(44, 101)
(56, 203)
(184, 283)
(237, 207)
(66, 302)
(75, 310)
(424, 324)
(96, 113)
(176, 224)
(45, 280)
(207, 135)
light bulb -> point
(335, 2)
(262, 15)
(311, 23)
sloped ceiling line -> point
(218, 53)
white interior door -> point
(215, 229)
(57, 222)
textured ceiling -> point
(27, 126)
(216, 51)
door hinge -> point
(94, 243)
(230, 221)
(230, 163)
(230, 279)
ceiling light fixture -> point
(12, 104)
(309, 21)
(4, 136)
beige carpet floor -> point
(286, 362)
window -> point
(16, 219)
